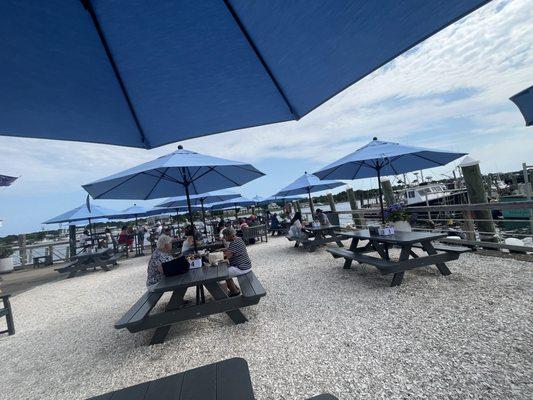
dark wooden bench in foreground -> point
(103, 259)
(437, 254)
(224, 380)
(139, 318)
(6, 311)
(255, 232)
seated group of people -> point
(296, 232)
(235, 252)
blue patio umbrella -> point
(380, 158)
(182, 172)
(6, 180)
(524, 102)
(136, 212)
(82, 213)
(281, 199)
(147, 73)
(233, 204)
(307, 184)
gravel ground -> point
(320, 329)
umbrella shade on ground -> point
(147, 73)
(6, 180)
(182, 172)
(82, 213)
(307, 184)
(380, 158)
(524, 102)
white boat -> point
(429, 193)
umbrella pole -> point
(138, 251)
(203, 216)
(311, 206)
(380, 196)
(190, 215)
(236, 214)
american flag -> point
(7, 180)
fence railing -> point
(59, 251)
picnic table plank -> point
(165, 388)
(200, 384)
(230, 382)
(136, 392)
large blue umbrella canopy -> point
(6, 180)
(147, 73)
(524, 102)
(279, 199)
(233, 204)
(82, 213)
(379, 158)
(182, 172)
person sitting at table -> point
(237, 256)
(162, 254)
(188, 244)
(123, 239)
(86, 242)
(295, 231)
(322, 217)
(275, 227)
(243, 223)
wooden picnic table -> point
(102, 258)
(319, 235)
(224, 380)
(436, 254)
(138, 318)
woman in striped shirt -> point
(237, 255)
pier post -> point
(388, 194)
(528, 188)
(357, 219)
(331, 203)
(477, 194)
(22, 250)
(72, 240)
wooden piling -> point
(331, 201)
(388, 194)
(357, 218)
(477, 194)
(72, 240)
(22, 250)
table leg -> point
(353, 247)
(398, 276)
(175, 301)
(218, 294)
(381, 250)
(428, 248)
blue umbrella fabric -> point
(148, 73)
(233, 203)
(199, 199)
(380, 158)
(6, 180)
(280, 199)
(524, 102)
(136, 211)
(306, 184)
(82, 213)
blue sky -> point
(450, 92)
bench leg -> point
(397, 279)
(428, 248)
(9, 317)
(216, 291)
(175, 301)
(353, 247)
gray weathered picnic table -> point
(102, 258)
(437, 254)
(319, 235)
(138, 317)
(224, 380)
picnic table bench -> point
(224, 380)
(318, 236)
(138, 317)
(437, 254)
(6, 311)
(42, 260)
(81, 262)
(254, 232)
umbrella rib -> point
(116, 186)
(428, 159)
(249, 170)
(356, 172)
(221, 174)
(88, 6)
(158, 180)
(261, 59)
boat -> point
(430, 193)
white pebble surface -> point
(319, 329)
